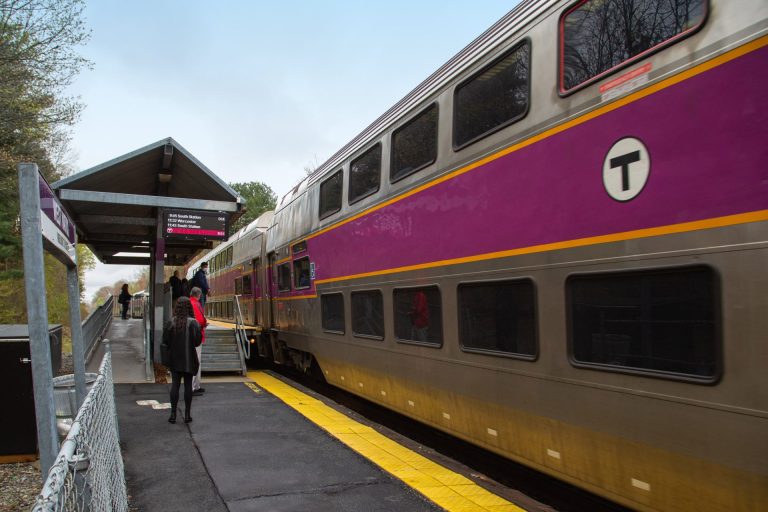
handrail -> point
(95, 326)
(240, 335)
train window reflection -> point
(498, 316)
(247, 289)
(284, 277)
(495, 97)
(365, 174)
(330, 194)
(663, 321)
(332, 306)
(414, 146)
(418, 315)
(602, 35)
(368, 314)
(301, 273)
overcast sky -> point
(256, 90)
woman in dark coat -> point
(181, 335)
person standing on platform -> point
(199, 312)
(181, 337)
(175, 283)
(200, 280)
(125, 299)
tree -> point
(39, 40)
(257, 197)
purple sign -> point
(51, 208)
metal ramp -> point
(222, 352)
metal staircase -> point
(222, 351)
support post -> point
(78, 350)
(158, 293)
(37, 315)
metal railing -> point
(241, 336)
(88, 473)
(136, 308)
(95, 326)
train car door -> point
(270, 290)
(257, 292)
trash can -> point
(18, 430)
(66, 400)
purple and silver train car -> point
(555, 247)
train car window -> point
(495, 97)
(598, 37)
(499, 317)
(332, 306)
(664, 322)
(368, 314)
(365, 174)
(299, 247)
(238, 286)
(414, 146)
(229, 256)
(230, 309)
(418, 315)
(330, 194)
(284, 277)
(247, 287)
(301, 273)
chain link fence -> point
(88, 473)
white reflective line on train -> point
(493, 432)
(554, 454)
(641, 485)
(410, 402)
(446, 416)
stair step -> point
(219, 348)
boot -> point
(187, 418)
(172, 419)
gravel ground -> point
(19, 486)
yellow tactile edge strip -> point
(445, 488)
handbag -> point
(165, 354)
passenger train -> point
(555, 247)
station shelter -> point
(155, 206)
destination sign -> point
(195, 224)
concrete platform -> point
(127, 346)
(246, 450)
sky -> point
(255, 90)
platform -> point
(262, 443)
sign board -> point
(195, 225)
(56, 226)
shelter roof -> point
(116, 205)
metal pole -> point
(78, 352)
(158, 293)
(37, 314)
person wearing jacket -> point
(125, 299)
(181, 335)
(197, 307)
(200, 279)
